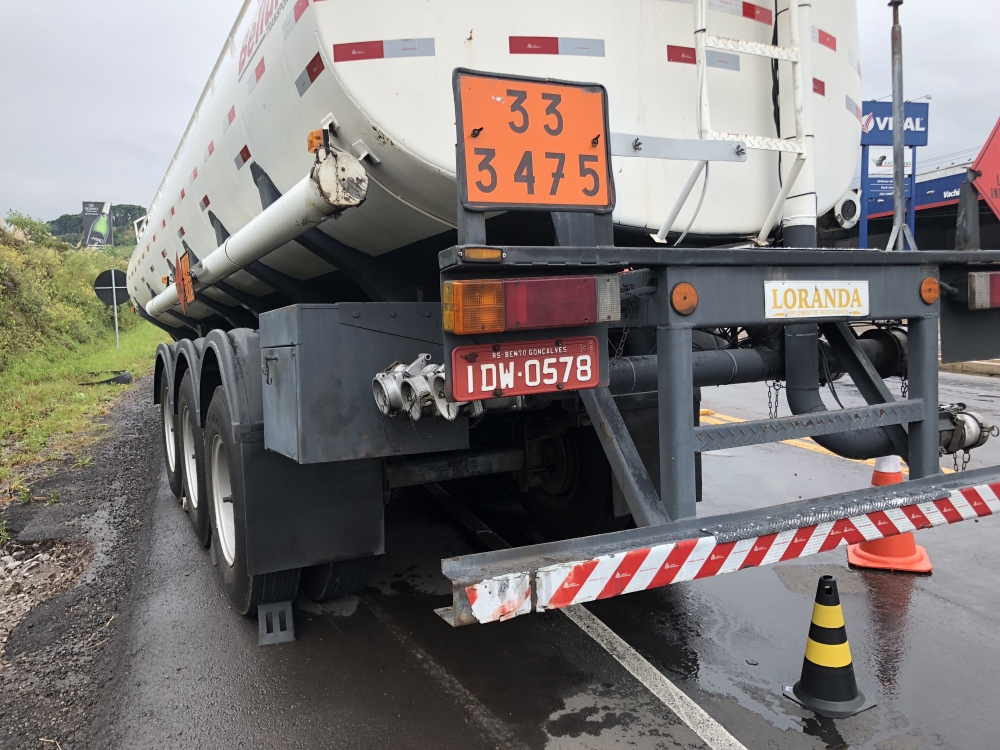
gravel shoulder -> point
(66, 576)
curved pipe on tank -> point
(802, 392)
(336, 182)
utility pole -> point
(898, 132)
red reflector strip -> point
(384, 48)
(242, 157)
(300, 7)
(534, 45)
(210, 150)
(819, 87)
(358, 51)
(757, 13)
(180, 232)
(827, 40)
(164, 226)
(205, 203)
(550, 45)
(258, 73)
(310, 74)
(227, 120)
(194, 175)
(171, 210)
(853, 108)
(984, 290)
(550, 302)
(853, 60)
(681, 54)
(182, 193)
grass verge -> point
(44, 411)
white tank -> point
(383, 71)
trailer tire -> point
(575, 498)
(192, 441)
(245, 591)
(171, 442)
(324, 583)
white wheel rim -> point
(190, 457)
(168, 435)
(222, 499)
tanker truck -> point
(507, 244)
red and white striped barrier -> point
(565, 584)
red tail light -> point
(527, 304)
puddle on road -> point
(608, 717)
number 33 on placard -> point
(527, 143)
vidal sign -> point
(876, 123)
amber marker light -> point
(472, 306)
(481, 254)
(684, 298)
(930, 290)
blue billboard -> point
(876, 123)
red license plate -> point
(517, 369)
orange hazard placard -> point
(182, 280)
(532, 143)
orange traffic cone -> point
(898, 552)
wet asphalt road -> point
(382, 670)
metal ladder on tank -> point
(704, 41)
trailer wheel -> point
(228, 514)
(575, 497)
(171, 442)
(193, 458)
(324, 583)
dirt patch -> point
(66, 573)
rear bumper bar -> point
(496, 586)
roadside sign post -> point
(877, 127)
(110, 287)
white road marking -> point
(711, 732)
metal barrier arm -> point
(496, 586)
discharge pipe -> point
(336, 182)
(802, 392)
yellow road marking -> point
(714, 418)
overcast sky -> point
(95, 94)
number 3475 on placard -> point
(532, 144)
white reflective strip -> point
(734, 7)
(599, 577)
(815, 34)
(819, 535)
(931, 512)
(864, 525)
(549, 580)
(581, 47)
(779, 546)
(502, 598)
(649, 568)
(724, 60)
(900, 521)
(989, 497)
(408, 48)
(702, 549)
(740, 551)
(962, 506)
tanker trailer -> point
(344, 315)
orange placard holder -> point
(532, 144)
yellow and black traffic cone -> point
(827, 686)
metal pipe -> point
(898, 129)
(719, 367)
(802, 392)
(336, 182)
